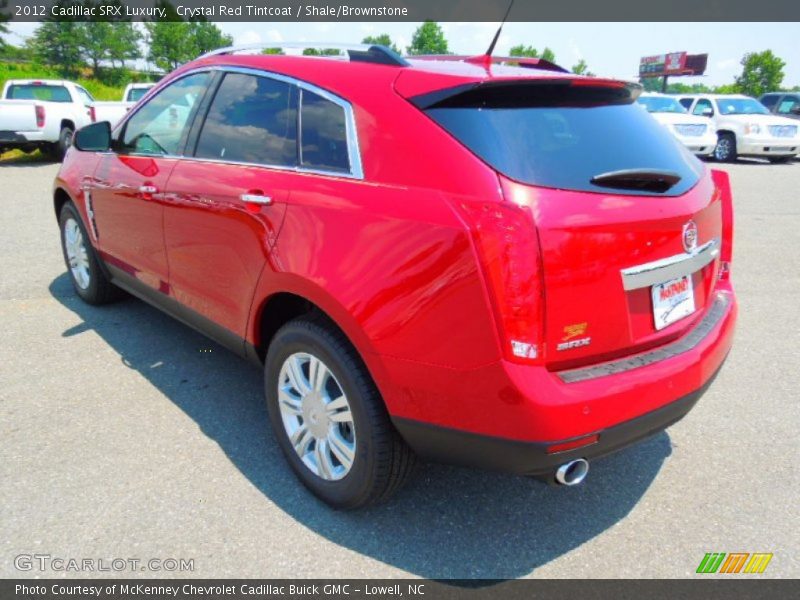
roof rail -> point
(515, 61)
(369, 53)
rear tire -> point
(348, 455)
(88, 278)
(725, 151)
(63, 144)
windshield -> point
(564, 138)
(135, 94)
(741, 106)
(661, 104)
(45, 93)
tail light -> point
(92, 114)
(723, 188)
(508, 248)
(39, 116)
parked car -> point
(524, 288)
(695, 132)
(43, 114)
(745, 127)
(785, 104)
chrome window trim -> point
(353, 149)
(659, 271)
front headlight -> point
(752, 128)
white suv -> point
(745, 127)
(698, 134)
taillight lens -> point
(508, 248)
(39, 116)
(723, 188)
(92, 114)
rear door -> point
(127, 190)
(228, 196)
(628, 222)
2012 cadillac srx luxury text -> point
(485, 261)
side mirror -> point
(94, 138)
(707, 112)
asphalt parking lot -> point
(124, 434)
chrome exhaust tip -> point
(573, 472)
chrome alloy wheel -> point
(316, 416)
(77, 254)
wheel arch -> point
(293, 297)
(67, 123)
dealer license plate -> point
(672, 301)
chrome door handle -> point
(148, 189)
(256, 199)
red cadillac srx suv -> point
(499, 265)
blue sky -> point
(610, 49)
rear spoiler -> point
(511, 61)
(511, 93)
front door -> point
(127, 190)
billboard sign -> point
(673, 63)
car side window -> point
(323, 134)
(251, 119)
(787, 104)
(770, 100)
(686, 102)
(703, 105)
(157, 128)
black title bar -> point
(405, 10)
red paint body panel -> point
(394, 259)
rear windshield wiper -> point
(646, 180)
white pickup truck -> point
(745, 127)
(44, 113)
(114, 111)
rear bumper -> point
(511, 413)
(10, 138)
(531, 458)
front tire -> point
(725, 150)
(329, 418)
(88, 278)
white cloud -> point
(727, 64)
(247, 37)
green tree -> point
(381, 40)
(321, 52)
(124, 43)
(4, 18)
(60, 44)
(582, 69)
(272, 51)
(428, 39)
(762, 72)
(169, 44)
(728, 88)
(207, 36)
(531, 52)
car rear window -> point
(45, 93)
(560, 135)
(136, 94)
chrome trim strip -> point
(659, 271)
(256, 199)
(353, 148)
(680, 346)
